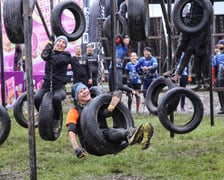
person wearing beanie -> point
(82, 97)
(147, 65)
(55, 76)
(61, 38)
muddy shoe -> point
(147, 135)
(135, 135)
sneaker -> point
(147, 135)
(135, 134)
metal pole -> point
(113, 45)
(2, 63)
(169, 37)
(27, 19)
(42, 19)
(210, 72)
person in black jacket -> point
(95, 68)
(79, 67)
(57, 61)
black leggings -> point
(116, 135)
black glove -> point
(52, 38)
(80, 152)
(106, 113)
(117, 93)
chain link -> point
(99, 41)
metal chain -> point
(99, 41)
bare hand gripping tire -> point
(192, 123)
(13, 20)
(179, 21)
(49, 126)
(80, 22)
(92, 120)
(153, 92)
(18, 113)
(5, 124)
(138, 20)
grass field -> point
(196, 155)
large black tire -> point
(122, 26)
(138, 20)
(13, 20)
(18, 112)
(80, 22)
(190, 28)
(197, 115)
(154, 90)
(91, 118)
(48, 126)
(5, 124)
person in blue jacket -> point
(218, 64)
(121, 51)
(183, 80)
(147, 65)
(133, 81)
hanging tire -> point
(192, 123)
(91, 119)
(153, 92)
(13, 20)
(122, 26)
(178, 20)
(49, 127)
(19, 113)
(5, 124)
(80, 22)
(138, 20)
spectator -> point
(121, 51)
(95, 69)
(17, 57)
(183, 80)
(133, 81)
(147, 65)
(219, 65)
(79, 67)
(214, 70)
(55, 77)
(81, 96)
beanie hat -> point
(126, 36)
(148, 49)
(76, 88)
(221, 41)
(62, 37)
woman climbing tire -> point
(197, 108)
(92, 120)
